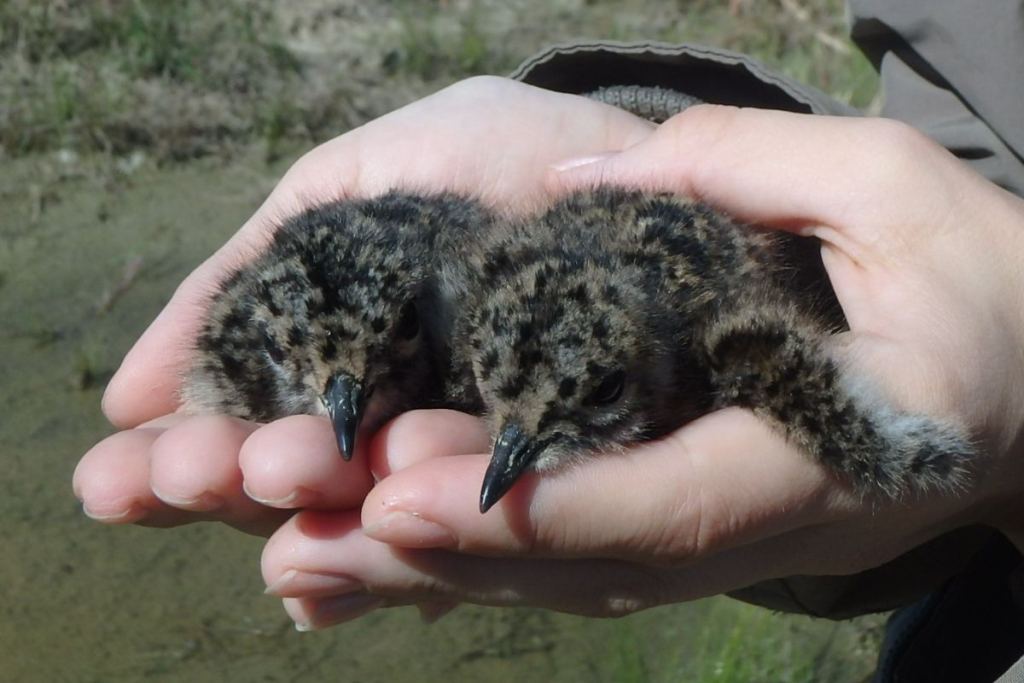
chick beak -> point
(345, 400)
(514, 451)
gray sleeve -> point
(709, 74)
(954, 70)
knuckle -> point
(701, 127)
(309, 163)
(894, 134)
(699, 135)
(641, 589)
(895, 151)
(481, 81)
(714, 530)
(482, 88)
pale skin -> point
(927, 259)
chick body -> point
(342, 314)
(617, 316)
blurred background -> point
(135, 137)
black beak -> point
(514, 451)
(345, 400)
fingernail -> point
(299, 498)
(132, 514)
(576, 162)
(337, 610)
(295, 584)
(435, 610)
(202, 503)
(409, 529)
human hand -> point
(488, 137)
(925, 257)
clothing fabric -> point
(971, 629)
(649, 102)
(707, 73)
(954, 70)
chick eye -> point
(271, 347)
(609, 390)
(408, 321)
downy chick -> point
(341, 315)
(617, 316)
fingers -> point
(565, 546)
(423, 435)
(112, 481)
(723, 481)
(324, 555)
(174, 471)
(329, 572)
(294, 463)
(180, 470)
(194, 464)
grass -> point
(756, 650)
(432, 48)
(197, 78)
(738, 643)
(176, 79)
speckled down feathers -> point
(612, 317)
(689, 311)
(330, 294)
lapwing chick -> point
(341, 315)
(617, 316)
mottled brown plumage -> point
(617, 316)
(342, 314)
(611, 318)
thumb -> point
(777, 169)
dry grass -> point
(200, 77)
